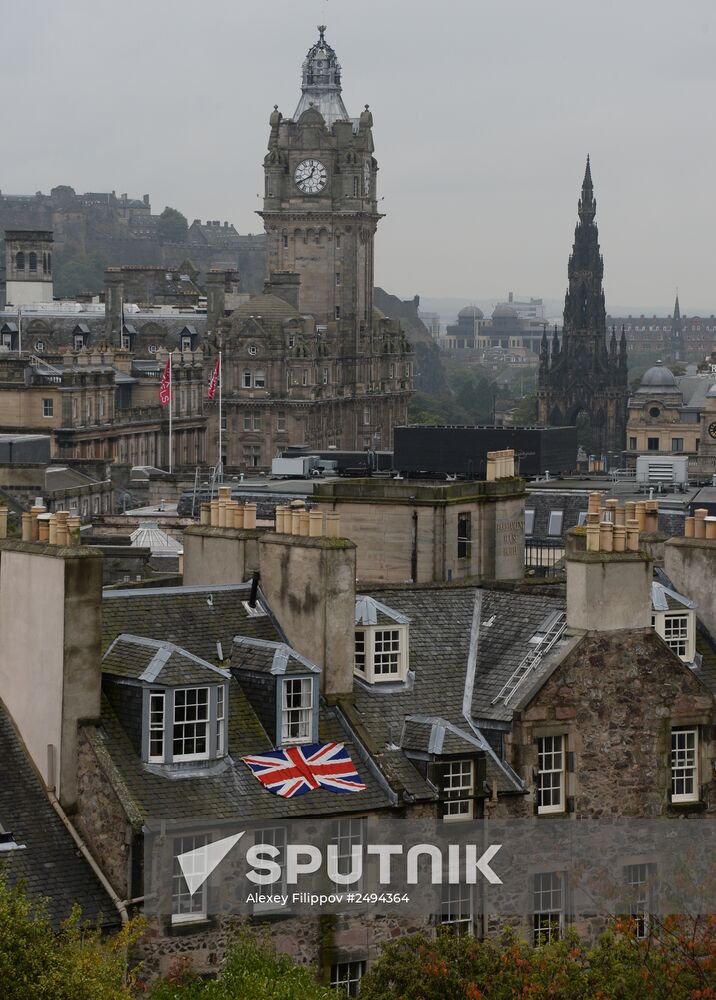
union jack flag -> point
(297, 770)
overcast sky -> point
(484, 114)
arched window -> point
(20, 261)
(33, 261)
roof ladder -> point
(555, 627)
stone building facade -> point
(28, 267)
(582, 374)
(311, 359)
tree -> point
(172, 226)
(77, 272)
(252, 970)
(39, 963)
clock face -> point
(712, 429)
(310, 176)
(366, 177)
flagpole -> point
(19, 329)
(221, 468)
(171, 407)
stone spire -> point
(677, 310)
(321, 82)
(677, 333)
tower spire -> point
(321, 82)
(587, 203)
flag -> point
(215, 379)
(297, 770)
(165, 389)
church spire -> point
(677, 311)
(321, 82)
(587, 203)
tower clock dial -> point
(310, 176)
(712, 429)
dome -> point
(471, 312)
(658, 379)
(266, 306)
(503, 311)
(321, 82)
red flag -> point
(215, 379)
(165, 389)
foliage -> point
(77, 963)
(76, 272)
(469, 400)
(252, 970)
(525, 414)
(172, 226)
(678, 962)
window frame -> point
(183, 845)
(464, 540)
(275, 836)
(677, 639)
(693, 768)
(371, 652)
(349, 980)
(350, 830)
(48, 407)
(197, 722)
(153, 728)
(305, 711)
(529, 522)
(458, 799)
(455, 895)
(539, 889)
(546, 809)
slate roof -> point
(150, 660)
(266, 657)
(664, 598)
(195, 618)
(372, 612)
(571, 502)
(50, 864)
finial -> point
(367, 107)
(321, 31)
(275, 107)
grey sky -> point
(484, 113)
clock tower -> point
(320, 209)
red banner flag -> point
(165, 389)
(215, 379)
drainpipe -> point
(84, 850)
(414, 549)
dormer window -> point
(190, 738)
(674, 619)
(381, 642)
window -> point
(554, 527)
(458, 788)
(338, 312)
(464, 536)
(325, 376)
(677, 444)
(304, 377)
(297, 710)
(100, 406)
(191, 724)
(684, 768)
(252, 455)
(391, 371)
(48, 407)
(125, 342)
(284, 238)
(338, 277)
(20, 261)
(456, 909)
(356, 187)
(366, 416)
(186, 343)
(274, 836)
(220, 722)
(260, 379)
(188, 906)
(346, 976)
(529, 522)
(338, 241)
(638, 880)
(246, 380)
(654, 412)
(581, 518)
(386, 654)
(252, 421)
(247, 422)
(280, 422)
(550, 779)
(360, 651)
(548, 908)
(347, 837)
(652, 444)
(79, 341)
(156, 726)
(676, 633)
(632, 444)
(39, 346)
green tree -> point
(39, 963)
(172, 226)
(252, 970)
(526, 411)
